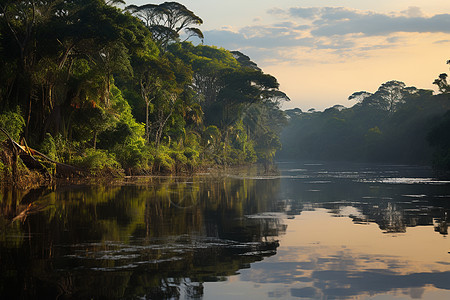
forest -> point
(395, 124)
(132, 89)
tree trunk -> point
(162, 124)
(95, 140)
(147, 131)
(27, 122)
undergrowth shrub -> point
(48, 146)
(13, 123)
(163, 162)
(98, 161)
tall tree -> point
(389, 96)
(443, 85)
(441, 82)
(167, 20)
(20, 22)
(153, 75)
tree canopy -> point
(167, 20)
(99, 83)
(390, 125)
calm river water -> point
(318, 231)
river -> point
(307, 230)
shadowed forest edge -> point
(96, 89)
(114, 91)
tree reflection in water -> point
(154, 237)
(174, 237)
(394, 197)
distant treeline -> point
(395, 124)
(96, 86)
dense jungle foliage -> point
(395, 124)
(90, 84)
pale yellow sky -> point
(315, 83)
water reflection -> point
(362, 232)
(312, 231)
(332, 258)
(156, 237)
(394, 197)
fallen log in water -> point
(29, 157)
(32, 208)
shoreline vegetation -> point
(89, 89)
(93, 90)
(27, 169)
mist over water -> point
(309, 230)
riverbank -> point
(16, 173)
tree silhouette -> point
(167, 20)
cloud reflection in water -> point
(318, 262)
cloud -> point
(442, 42)
(379, 24)
(305, 12)
(280, 35)
(276, 11)
(341, 31)
(414, 12)
(224, 38)
(328, 21)
(269, 44)
(324, 13)
(335, 44)
(393, 39)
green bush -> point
(178, 157)
(192, 157)
(250, 154)
(133, 155)
(163, 162)
(13, 123)
(235, 156)
(191, 154)
(192, 140)
(48, 146)
(97, 160)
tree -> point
(439, 139)
(153, 75)
(19, 23)
(264, 123)
(441, 82)
(242, 88)
(91, 121)
(166, 102)
(235, 96)
(389, 125)
(167, 20)
(80, 71)
(113, 58)
(389, 96)
(44, 40)
(359, 96)
(114, 2)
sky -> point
(321, 51)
